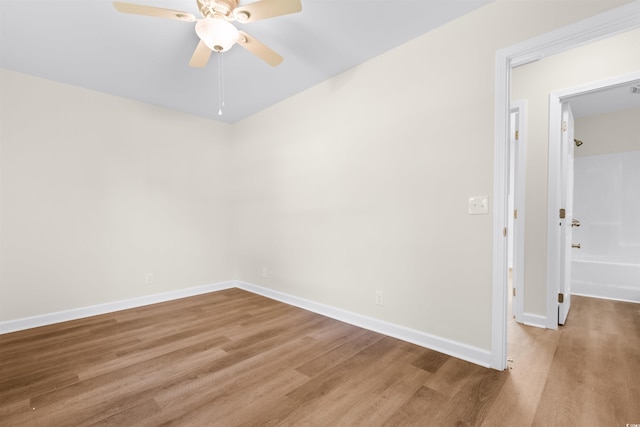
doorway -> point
(614, 22)
(601, 97)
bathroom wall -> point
(607, 203)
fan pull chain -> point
(220, 83)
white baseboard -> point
(78, 313)
(459, 350)
(606, 291)
(534, 320)
(604, 295)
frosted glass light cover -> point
(218, 34)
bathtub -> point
(606, 200)
(606, 279)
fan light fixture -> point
(218, 34)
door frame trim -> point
(607, 24)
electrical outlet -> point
(478, 205)
(265, 272)
(379, 298)
(148, 278)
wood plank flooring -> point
(232, 358)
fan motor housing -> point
(223, 8)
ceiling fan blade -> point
(264, 9)
(259, 49)
(200, 56)
(138, 9)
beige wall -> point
(98, 190)
(597, 61)
(361, 183)
(614, 132)
(356, 185)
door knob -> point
(576, 245)
(575, 223)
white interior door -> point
(517, 149)
(566, 201)
(513, 134)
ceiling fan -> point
(215, 28)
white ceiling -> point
(606, 100)
(87, 43)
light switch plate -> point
(478, 205)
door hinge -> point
(560, 298)
(517, 135)
(514, 292)
(564, 126)
(515, 213)
(563, 213)
(504, 232)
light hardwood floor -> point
(232, 358)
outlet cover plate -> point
(478, 205)
(379, 298)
